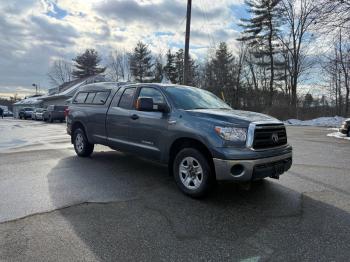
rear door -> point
(97, 104)
(119, 117)
(149, 129)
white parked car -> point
(38, 114)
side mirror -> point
(144, 104)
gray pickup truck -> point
(199, 137)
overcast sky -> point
(35, 33)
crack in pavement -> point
(325, 185)
(67, 207)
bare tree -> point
(60, 72)
(344, 61)
(337, 68)
(118, 66)
(335, 15)
(299, 17)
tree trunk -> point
(272, 75)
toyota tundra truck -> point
(199, 137)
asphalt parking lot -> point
(117, 207)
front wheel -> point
(192, 173)
(81, 145)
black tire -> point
(50, 119)
(84, 149)
(349, 132)
(207, 177)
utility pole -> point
(36, 88)
(187, 42)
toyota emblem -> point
(275, 138)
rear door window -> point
(60, 108)
(127, 98)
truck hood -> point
(232, 116)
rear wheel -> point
(192, 172)
(81, 145)
(349, 132)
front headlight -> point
(232, 133)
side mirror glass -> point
(144, 104)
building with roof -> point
(32, 102)
(56, 96)
(61, 95)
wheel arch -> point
(75, 125)
(186, 142)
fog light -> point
(237, 170)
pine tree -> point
(170, 68)
(193, 79)
(260, 32)
(86, 64)
(158, 70)
(141, 62)
(223, 65)
(179, 65)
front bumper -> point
(248, 170)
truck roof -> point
(115, 85)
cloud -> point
(36, 32)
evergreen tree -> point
(179, 65)
(308, 100)
(141, 62)
(86, 64)
(193, 74)
(223, 65)
(158, 70)
(260, 32)
(170, 68)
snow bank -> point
(339, 135)
(322, 121)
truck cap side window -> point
(127, 98)
(100, 98)
(90, 97)
(80, 98)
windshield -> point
(28, 109)
(189, 98)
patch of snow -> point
(29, 101)
(321, 121)
(339, 135)
(20, 134)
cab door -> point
(149, 129)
